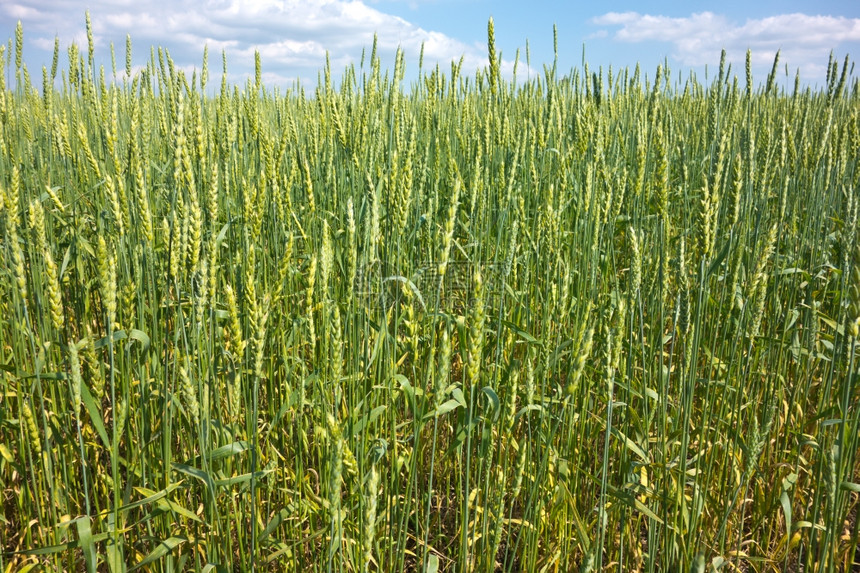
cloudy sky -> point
(293, 36)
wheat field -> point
(596, 320)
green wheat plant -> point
(596, 320)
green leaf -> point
(40, 361)
(411, 286)
(644, 509)
(221, 453)
(560, 350)
(229, 450)
(114, 337)
(241, 479)
(368, 420)
(61, 548)
(715, 264)
(273, 524)
(631, 445)
(375, 413)
(432, 564)
(141, 337)
(166, 504)
(849, 486)
(85, 534)
(45, 376)
(378, 450)
(495, 403)
(95, 415)
(282, 411)
(195, 473)
(222, 233)
(627, 498)
(162, 549)
(151, 497)
(173, 507)
(66, 258)
(444, 408)
(459, 437)
(378, 342)
(406, 386)
(521, 333)
(807, 524)
(457, 393)
(786, 509)
(793, 271)
(113, 548)
(581, 529)
(526, 409)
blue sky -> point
(293, 36)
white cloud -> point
(292, 36)
(804, 41)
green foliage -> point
(465, 325)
